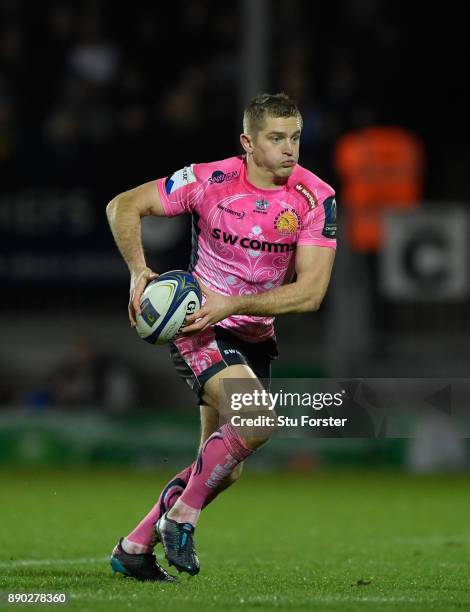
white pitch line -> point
(275, 601)
(32, 562)
(433, 539)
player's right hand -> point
(139, 280)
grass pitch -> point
(326, 541)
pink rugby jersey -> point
(244, 238)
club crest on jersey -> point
(307, 194)
(261, 206)
(179, 179)
(286, 222)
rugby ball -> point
(165, 303)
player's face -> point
(276, 146)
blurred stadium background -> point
(96, 98)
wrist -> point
(137, 269)
(239, 305)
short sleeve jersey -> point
(244, 238)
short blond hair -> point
(268, 105)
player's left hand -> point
(216, 308)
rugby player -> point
(263, 244)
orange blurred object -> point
(381, 168)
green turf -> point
(326, 541)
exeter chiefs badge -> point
(286, 222)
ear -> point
(246, 142)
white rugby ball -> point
(165, 304)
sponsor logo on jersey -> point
(235, 213)
(307, 194)
(179, 179)
(219, 177)
(329, 226)
(252, 243)
(262, 206)
(287, 222)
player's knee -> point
(255, 442)
(264, 426)
(257, 439)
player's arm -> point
(124, 213)
(313, 265)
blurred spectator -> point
(3, 393)
(80, 116)
(94, 59)
(7, 123)
(78, 381)
(381, 168)
(437, 446)
(119, 389)
(89, 379)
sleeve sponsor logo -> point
(220, 177)
(329, 227)
(307, 194)
(179, 179)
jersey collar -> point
(258, 190)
